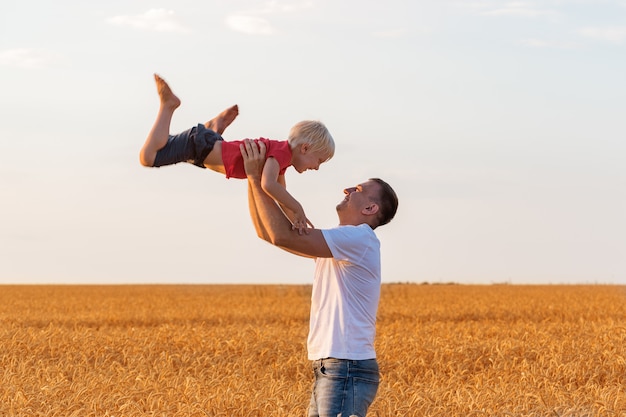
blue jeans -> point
(343, 388)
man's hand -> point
(253, 154)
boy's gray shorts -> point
(192, 145)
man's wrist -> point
(254, 179)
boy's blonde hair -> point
(315, 134)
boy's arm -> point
(272, 224)
(270, 182)
(274, 185)
(256, 221)
(291, 214)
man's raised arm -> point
(270, 222)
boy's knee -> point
(145, 159)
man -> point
(346, 286)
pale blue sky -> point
(500, 125)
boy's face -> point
(303, 158)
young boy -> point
(309, 145)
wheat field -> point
(219, 350)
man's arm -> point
(254, 215)
(269, 220)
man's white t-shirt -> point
(346, 291)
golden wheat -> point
(444, 350)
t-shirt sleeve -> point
(281, 152)
(348, 243)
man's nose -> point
(349, 190)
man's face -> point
(359, 197)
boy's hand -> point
(253, 154)
(299, 221)
(302, 226)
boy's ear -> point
(304, 148)
(371, 209)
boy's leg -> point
(195, 145)
(220, 122)
(157, 138)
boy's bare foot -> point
(220, 122)
(168, 98)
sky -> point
(499, 124)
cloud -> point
(515, 9)
(158, 20)
(275, 6)
(399, 33)
(257, 21)
(535, 43)
(251, 25)
(613, 34)
(540, 43)
(24, 58)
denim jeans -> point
(343, 388)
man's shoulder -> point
(352, 232)
(363, 227)
(351, 242)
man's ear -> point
(371, 209)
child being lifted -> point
(309, 145)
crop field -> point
(218, 350)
